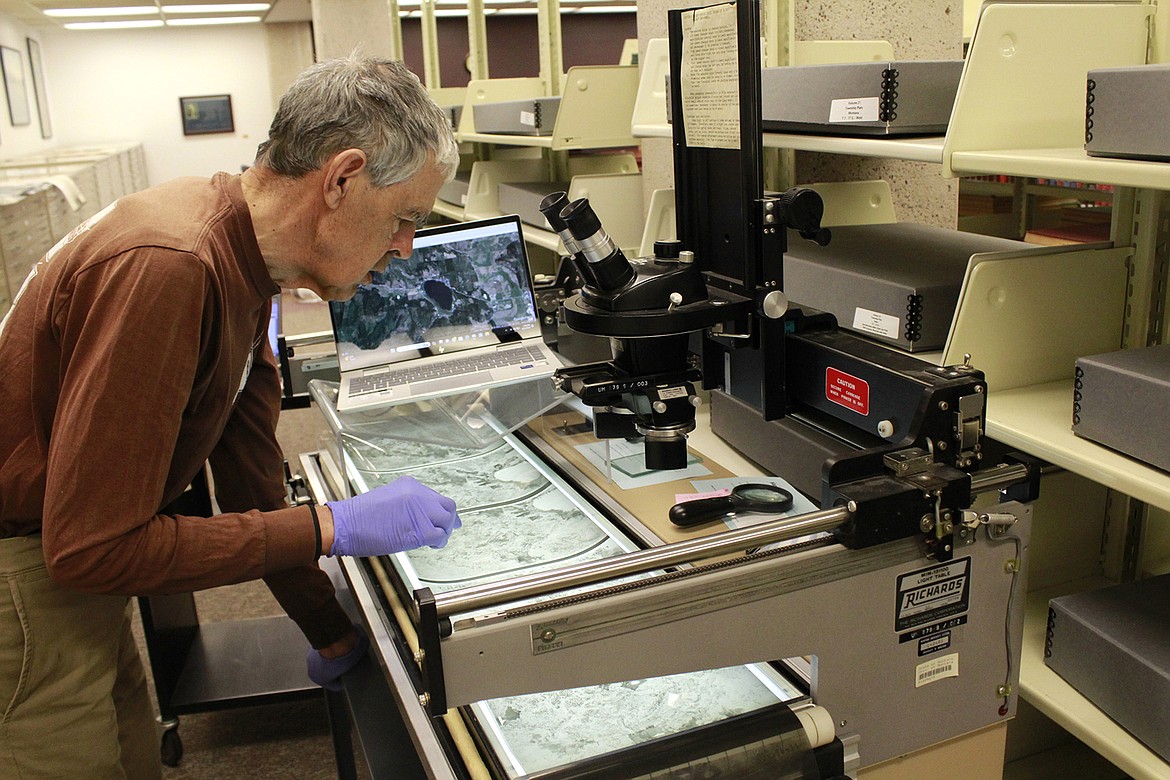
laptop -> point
(459, 315)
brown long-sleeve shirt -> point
(135, 352)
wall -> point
(342, 27)
(26, 139)
(124, 85)
(513, 51)
(917, 29)
(290, 51)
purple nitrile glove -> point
(327, 672)
(391, 518)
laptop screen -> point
(465, 285)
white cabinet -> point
(44, 196)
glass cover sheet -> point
(540, 731)
(464, 420)
(516, 518)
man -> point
(135, 352)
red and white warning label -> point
(847, 390)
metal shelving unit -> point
(1019, 112)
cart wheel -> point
(171, 751)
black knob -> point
(802, 209)
(667, 249)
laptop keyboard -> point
(515, 356)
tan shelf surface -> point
(917, 148)
(448, 210)
(1050, 694)
(1071, 164)
(543, 238)
(505, 139)
(651, 131)
(1038, 420)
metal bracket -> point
(1028, 490)
(430, 640)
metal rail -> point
(641, 561)
(781, 529)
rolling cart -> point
(238, 663)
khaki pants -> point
(72, 688)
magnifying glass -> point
(758, 498)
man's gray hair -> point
(371, 104)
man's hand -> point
(391, 518)
(326, 671)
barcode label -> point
(936, 669)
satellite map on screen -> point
(440, 290)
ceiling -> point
(154, 12)
(157, 13)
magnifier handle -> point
(701, 510)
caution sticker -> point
(847, 390)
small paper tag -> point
(528, 118)
(936, 669)
(854, 110)
(869, 321)
(681, 497)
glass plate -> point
(537, 732)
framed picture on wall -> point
(36, 72)
(207, 114)
(14, 86)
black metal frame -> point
(720, 209)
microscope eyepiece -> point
(608, 265)
(551, 207)
(581, 219)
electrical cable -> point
(1007, 624)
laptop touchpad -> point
(468, 381)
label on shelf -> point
(854, 110)
(869, 321)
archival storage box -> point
(455, 191)
(523, 199)
(1116, 396)
(1113, 645)
(535, 116)
(1125, 112)
(453, 112)
(860, 98)
(897, 283)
